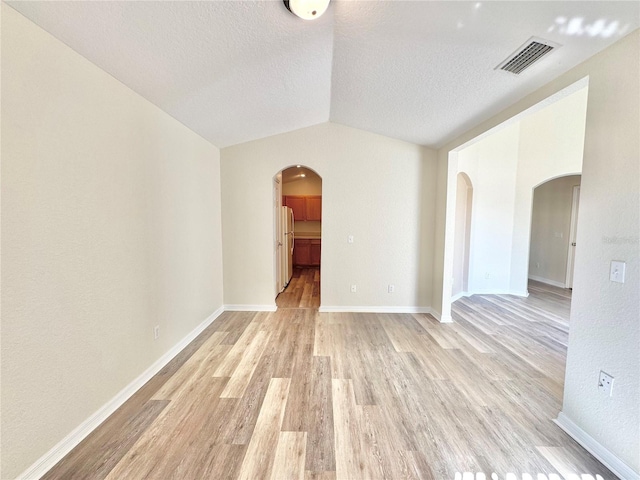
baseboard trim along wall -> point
(517, 293)
(250, 308)
(445, 319)
(458, 296)
(435, 314)
(53, 456)
(595, 448)
(375, 309)
(547, 281)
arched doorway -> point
(298, 237)
(462, 236)
(553, 231)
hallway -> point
(303, 290)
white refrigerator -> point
(288, 244)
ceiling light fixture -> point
(307, 9)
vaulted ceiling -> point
(420, 71)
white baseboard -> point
(488, 291)
(68, 443)
(250, 308)
(595, 448)
(547, 281)
(458, 296)
(374, 309)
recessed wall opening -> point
(464, 202)
(298, 237)
(504, 165)
(553, 231)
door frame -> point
(575, 205)
(278, 192)
(277, 233)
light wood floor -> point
(308, 395)
(303, 290)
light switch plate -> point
(617, 271)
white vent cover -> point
(533, 50)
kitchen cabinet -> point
(314, 253)
(301, 253)
(299, 206)
(314, 208)
(307, 252)
(305, 207)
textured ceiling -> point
(420, 71)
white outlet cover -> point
(617, 271)
(605, 383)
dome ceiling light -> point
(307, 9)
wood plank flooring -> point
(298, 394)
(303, 290)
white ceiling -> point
(420, 71)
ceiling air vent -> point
(528, 54)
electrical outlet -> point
(353, 289)
(391, 288)
(488, 276)
(156, 332)
(605, 383)
(350, 239)
(617, 271)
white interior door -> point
(575, 203)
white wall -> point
(491, 165)
(550, 230)
(464, 200)
(605, 316)
(605, 331)
(375, 188)
(110, 225)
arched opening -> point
(462, 236)
(297, 237)
(553, 231)
(505, 164)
